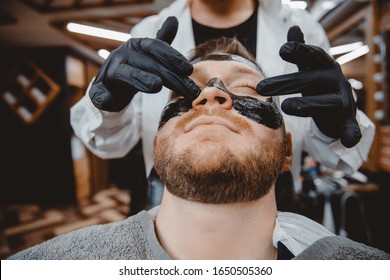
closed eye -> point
(244, 89)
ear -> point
(288, 159)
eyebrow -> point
(228, 57)
(235, 68)
(244, 70)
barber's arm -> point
(326, 97)
(326, 93)
(103, 119)
(142, 64)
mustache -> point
(236, 121)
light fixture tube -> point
(103, 53)
(295, 4)
(97, 32)
(353, 55)
(345, 48)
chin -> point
(209, 156)
(205, 161)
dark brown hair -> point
(221, 45)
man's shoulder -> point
(119, 240)
(341, 248)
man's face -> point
(228, 145)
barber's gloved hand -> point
(142, 64)
(326, 94)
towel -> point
(341, 248)
(133, 238)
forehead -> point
(227, 68)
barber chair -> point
(353, 219)
(285, 192)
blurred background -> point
(51, 184)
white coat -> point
(113, 135)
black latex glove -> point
(142, 64)
(326, 93)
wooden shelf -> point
(29, 92)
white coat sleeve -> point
(333, 154)
(328, 151)
(111, 134)
(107, 134)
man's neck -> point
(221, 13)
(189, 230)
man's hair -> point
(222, 45)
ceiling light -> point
(379, 115)
(295, 4)
(379, 96)
(328, 5)
(345, 48)
(97, 32)
(353, 55)
(355, 84)
(103, 53)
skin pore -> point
(221, 13)
(189, 227)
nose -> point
(211, 96)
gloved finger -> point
(103, 99)
(173, 79)
(305, 56)
(311, 106)
(346, 94)
(181, 85)
(164, 54)
(295, 34)
(319, 82)
(133, 78)
(168, 30)
(351, 133)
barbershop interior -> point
(52, 183)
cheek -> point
(266, 136)
(171, 136)
(166, 130)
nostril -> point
(220, 99)
(204, 101)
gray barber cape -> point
(341, 248)
(135, 239)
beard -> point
(212, 173)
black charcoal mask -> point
(174, 109)
(263, 112)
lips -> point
(209, 120)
